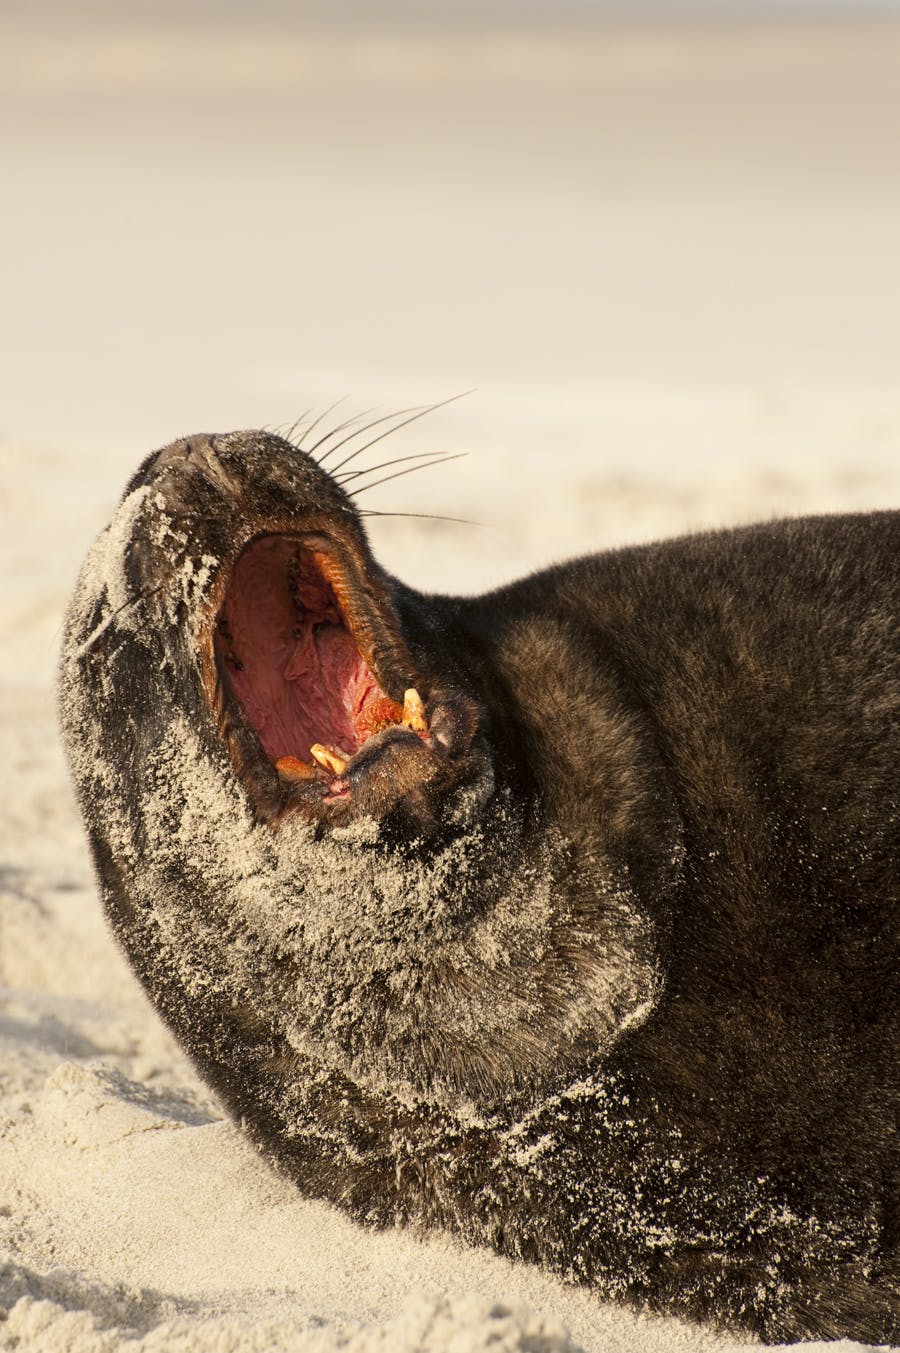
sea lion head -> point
(247, 576)
(310, 842)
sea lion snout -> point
(256, 565)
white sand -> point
(667, 258)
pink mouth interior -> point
(291, 660)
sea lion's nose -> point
(193, 455)
(182, 451)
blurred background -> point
(660, 243)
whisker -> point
(419, 412)
(397, 473)
(427, 516)
(398, 413)
(323, 414)
(94, 638)
(348, 422)
(370, 469)
(288, 436)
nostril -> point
(186, 449)
(151, 466)
(196, 455)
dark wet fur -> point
(707, 728)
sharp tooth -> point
(328, 758)
(414, 712)
(294, 769)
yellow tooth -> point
(414, 712)
(328, 758)
(294, 769)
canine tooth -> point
(328, 758)
(292, 768)
(414, 712)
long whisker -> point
(323, 414)
(426, 516)
(104, 625)
(370, 469)
(417, 413)
(288, 436)
(398, 413)
(397, 473)
(348, 422)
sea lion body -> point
(599, 966)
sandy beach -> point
(662, 255)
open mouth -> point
(299, 661)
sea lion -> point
(563, 917)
